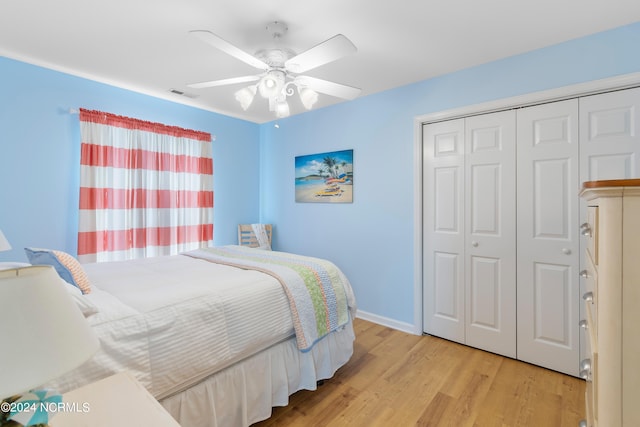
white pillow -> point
(86, 306)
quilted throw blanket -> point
(320, 296)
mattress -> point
(173, 321)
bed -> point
(214, 334)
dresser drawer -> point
(590, 231)
(589, 406)
(592, 329)
(589, 371)
(594, 387)
(589, 277)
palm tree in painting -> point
(331, 165)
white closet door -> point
(548, 243)
(443, 239)
(609, 149)
(490, 237)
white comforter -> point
(172, 321)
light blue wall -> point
(372, 239)
(40, 155)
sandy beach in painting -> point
(309, 193)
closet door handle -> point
(566, 251)
(588, 296)
(585, 365)
(474, 244)
(584, 274)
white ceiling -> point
(144, 45)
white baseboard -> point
(390, 323)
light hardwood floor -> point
(398, 379)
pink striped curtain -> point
(146, 189)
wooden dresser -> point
(612, 303)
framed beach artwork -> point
(325, 177)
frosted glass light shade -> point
(282, 109)
(271, 85)
(4, 243)
(245, 96)
(308, 97)
(48, 335)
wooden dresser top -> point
(611, 183)
(610, 188)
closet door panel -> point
(552, 193)
(484, 293)
(445, 296)
(548, 249)
(552, 286)
(490, 243)
(609, 138)
(485, 181)
(443, 239)
(610, 166)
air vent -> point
(181, 93)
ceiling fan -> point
(281, 70)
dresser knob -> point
(588, 296)
(584, 274)
(585, 229)
(585, 374)
(583, 324)
(585, 365)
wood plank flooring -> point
(398, 379)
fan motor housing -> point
(275, 57)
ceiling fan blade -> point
(224, 82)
(223, 45)
(328, 51)
(329, 88)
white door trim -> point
(573, 91)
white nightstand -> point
(116, 401)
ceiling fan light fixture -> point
(245, 96)
(308, 97)
(280, 70)
(282, 109)
(271, 85)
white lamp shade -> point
(46, 334)
(4, 243)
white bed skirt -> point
(244, 393)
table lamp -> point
(45, 336)
(4, 243)
(5, 246)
